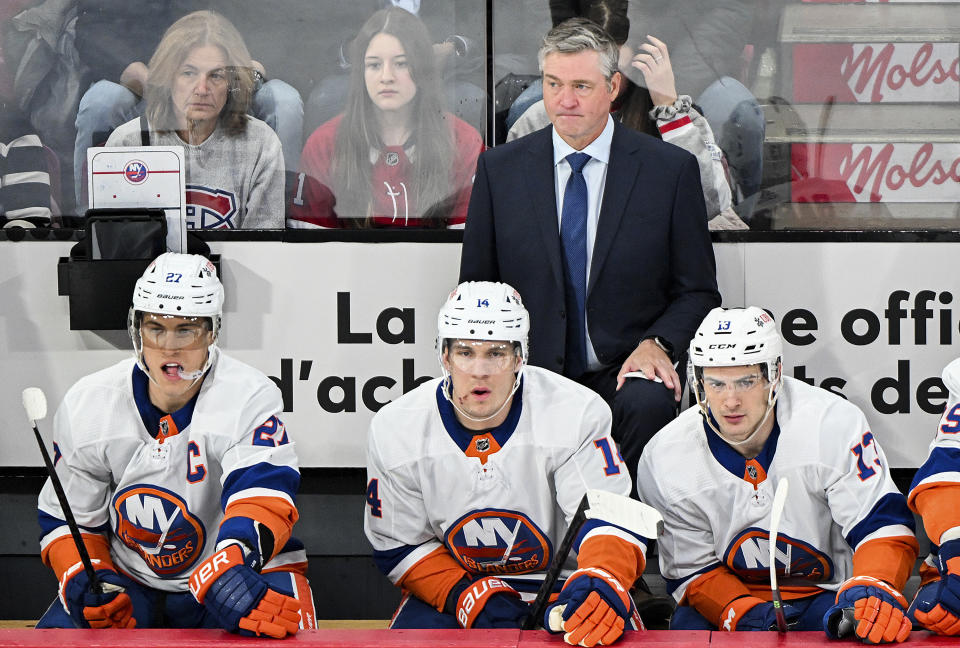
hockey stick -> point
(615, 509)
(779, 499)
(35, 404)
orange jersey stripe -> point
(431, 578)
(612, 554)
(62, 553)
(276, 513)
(293, 568)
(928, 574)
(787, 592)
(939, 506)
(889, 559)
(712, 592)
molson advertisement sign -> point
(876, 172)
(869, 74)
(876, 72)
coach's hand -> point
(592, 609)
(879, 612)
(239, 597)
(110, 608)
(490, 603)
(654, 363)
(941, 614)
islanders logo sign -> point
(135, 172)
(495, 541)
(156, 524)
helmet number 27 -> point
(173, 277)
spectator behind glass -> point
(115, 37)
(198, 92)
(648, 103)
(456, 29)
(395, 157)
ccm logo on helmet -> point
(722, 346)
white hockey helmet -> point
(484, 310)
(733, 337)
(179, 285)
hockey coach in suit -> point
(603, 231)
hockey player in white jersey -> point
(474, 477)
(846, 537)
(181, 477)
(935, 495)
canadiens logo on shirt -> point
(493, 541)
(748, 556)
(209, 208)
(157, 525)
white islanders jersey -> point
(941, 470)
(499, 502)
(161, 503)
(716, 504)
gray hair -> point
(579, 35)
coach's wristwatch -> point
(663, 343)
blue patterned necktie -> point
(573, 234)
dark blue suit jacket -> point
(653, 270)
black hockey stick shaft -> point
(553, 573)
(68, 515)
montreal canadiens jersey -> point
(935, 491)
(499, 502)
(716, 504)
(161, 504)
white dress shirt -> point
(595, 174)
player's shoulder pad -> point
(419, 399)
(236, 376)
(234, 389)
(675, 461)
(402, 430)
(116, 376)
(824, 419)
(563, 411)
(951, 378)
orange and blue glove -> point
(941, 614)
(109, 608)
(593, 608)
(869, 608)
(239, 598)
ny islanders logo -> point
(493, 541)
(211, 208)
(135, 172)
(748, 556)
(157, 525)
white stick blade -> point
(628, 513)
(35, 403)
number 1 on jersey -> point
(865, 472)
(611, 467)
